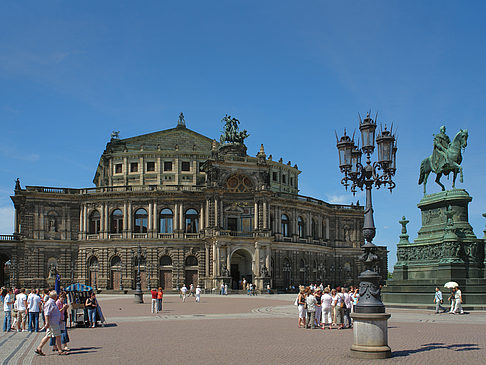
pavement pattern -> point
(246, 330)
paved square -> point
(246, 330)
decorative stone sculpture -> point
(404, 235)
(231, 133)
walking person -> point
(63, 306)
(92, 304)
(452, 301)
(34, 307)
(183, 292)
(438, 301)
(53, 317)
(457, 301)
(198, 294)
(8, 302)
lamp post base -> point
(138, 296)
(370, 334)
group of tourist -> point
(455, 301)
(157, 296)
(321, 307)
(194, 291)
(20, 308)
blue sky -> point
(292, 72)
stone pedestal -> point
(370, 336)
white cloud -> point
(13, 153)
(338, 199)
(6, 220)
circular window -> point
(239, 184)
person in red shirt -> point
(160, 295)
(154, 301)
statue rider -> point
(441, 145)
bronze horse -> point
(452, 164)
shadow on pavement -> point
(436, 346)
(111, 325)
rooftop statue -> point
(231, 133)
(446, 158)
(181, 122)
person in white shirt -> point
(198, 294)
(347, 308)
(21, 302)
(457, 301)
(34, 306)
(326, 307)
(311, 309)
(183, 292)
(7, 308)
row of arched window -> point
(165, 260)
(301, 227)
(140, 221)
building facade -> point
(200, 211)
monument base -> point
(370, 336)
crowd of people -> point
(323, 308)
(455, 301)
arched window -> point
(93, 262)
(285, 226)
(116, 262)
(165, 261)
(94, 222)
(301, 226)
(116, 222)
(166, 221)
(140, 221)
(192, 221)
(191, 261)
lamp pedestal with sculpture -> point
(370, 329)
(138, 282)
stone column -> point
(81, 221)
(155, 223)
(255, 220)
(129, 220)
(257, 259)
(216, 221)
(268, 258)
(201, 214)
(176, 217)
(85, 220)
(228, 258)
(265, 215)
(181, 218)
(150, 219)
(221, 214)
(327, 229)
(101, 233)
(207, 271)
(207, 213)
(218, 255)
(125, 219)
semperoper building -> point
(201, 211)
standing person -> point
(452, 301)
(154, 308)
(326, 303)
(339, 308)
(53, 317)
(198, 294)
(221, 291)
(317, 294)
(160, 296)
(301, 305)
(192, 290)
(347, 308)
(62, 306)
(183, 292)
(225, 289)
(333, 306)
(438, 301)
(21, 301)
(92, 304)
(458, 301)
(8, 302)
(310, 300)
(34, 307)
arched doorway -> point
(165, 278)
(4, 271)
(191, 270)
(115, 272)
(241, 267)
(93, 271)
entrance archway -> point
(241, 267)
(4, 272)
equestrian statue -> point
(445, 158)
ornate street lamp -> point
(147, 267)
(121, 277)
(370, 310)
(138, 283)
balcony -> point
(165, 236)
(92, 237)
(115, 236)
(8, 237)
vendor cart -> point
(77, 295)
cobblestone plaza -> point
(251, 330)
